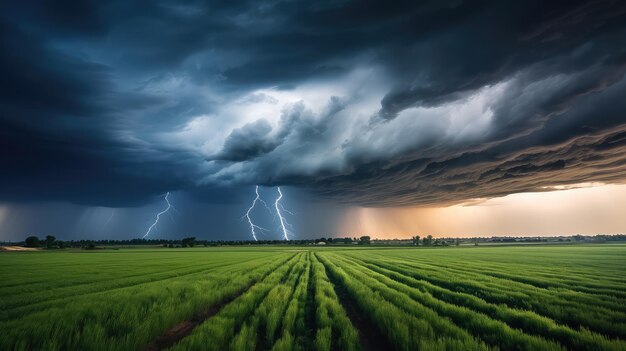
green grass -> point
(296, 298)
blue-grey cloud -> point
(403, 103)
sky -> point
(448, 117)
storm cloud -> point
(362, 102)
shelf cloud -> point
(362, 103)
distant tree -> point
(50, 239)
(329, 240)
(365, 240)
(416, 240)
(347, 240)
(457, 242)
(190, 241)
(32, 241)
(90, 246)
(428, 241)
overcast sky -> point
(352, 107)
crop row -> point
(272, 315)
(318, 299)
(334, 329)
(407, 324)
(554, 268)
(543, 277)
(129, 317)
(388, 286)
(82, 278)
(572, 308)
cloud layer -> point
(408, 103)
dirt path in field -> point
(370, 337)
(18, 248)
(183, 329)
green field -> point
(309, 298)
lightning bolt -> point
(254, 227)
(103, 227)
(109, 219)
(159, 215)
(283, 222)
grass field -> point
(309, 298)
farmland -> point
(556, 297)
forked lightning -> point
(159, 215)
(254, 227)
(283, 222)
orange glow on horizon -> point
(581, 209)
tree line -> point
(430, 241)
(51, 242)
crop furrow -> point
(228, 327)
(334, 300)
(493, 332)
(407, 324)
(16, 312)
(522, 320)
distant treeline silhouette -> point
(51, 242)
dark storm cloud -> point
(255, 139)
(585, 143)
(59, 115)
(101, 101)
(499, 41)
(248, 142)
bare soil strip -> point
(17, 311)
(183, 329)
(370, 337)
(18, 248)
